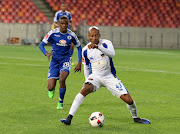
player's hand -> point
(49, 55)
(92, 46)
(78, 67)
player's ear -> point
(88, 35)
(99, 35)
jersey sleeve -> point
(55, 17)
(107, 48)
(47, 37)
(75, 40)
(70, 18)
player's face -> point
(63, 24)
(63, 7)
(94, 36)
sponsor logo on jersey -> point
(69, 37)
(62, 43)
(56, 35)
(47, 35)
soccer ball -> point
(96, 119)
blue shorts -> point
(57, 66)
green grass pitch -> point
(151, 76)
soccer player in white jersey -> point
(99, 71)
(61, 39)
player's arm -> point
(42, 48)
(76, 42)
(107, 48)
(44, 42)
(78, 67)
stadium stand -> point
(21, 11)
(131, 13)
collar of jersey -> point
(62, 33)
(96, 44)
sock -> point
(133, 109)
(62, 92)
(76, 103)
(70, 117)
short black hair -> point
(63, 18)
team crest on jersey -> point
(62, 43)
(69, 37)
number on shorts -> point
(66, 64)
(119, 86)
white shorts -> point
(114, 85)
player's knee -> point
(127, 98)
(50, 87)
(85, 91)
(62, 80)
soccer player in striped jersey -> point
(99, 72)
(60, 58)
(63, 12)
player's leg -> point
(92, 84)
(117, 88)
(62, 90)
(64, 72)
(87, 88)
(51, 87)
(131, 105)
(53, 75)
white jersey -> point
(99, 61)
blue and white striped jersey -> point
(59, 13)
(61, 42)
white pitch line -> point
(161, 53)
(127, 68)
(147, 70)
(20, 58)
(21, 64)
